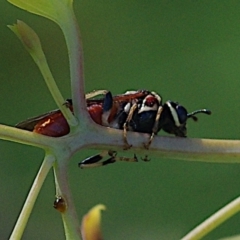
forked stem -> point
(189, 149)
(31, 42)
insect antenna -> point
(191, 115)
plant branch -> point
(214, 221)
(32, 44)
(69, 216)
(25, 137)
(89, 134)
(192, 149)
(98, 137)
(73, 41)
(32, 196)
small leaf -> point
(32, 44)
(27, 36)
(91, 224)
(51, 9)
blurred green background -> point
(188, 51)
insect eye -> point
(150, 101)
(182, 114)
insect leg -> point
(155, 127)
(107, 107)
(95, 93)
(125, 126)
(94, 161)
(125, 159)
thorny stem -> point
(214, 221)
(32, 196)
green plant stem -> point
(70, 219)
(32, 44)
(73, 41)
(32, 196)
(25, 137)
(89, 134)
(214, 221)
(190, 149)
(41, 62)
(98, 137)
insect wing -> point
(131, 95)
(50, 123)
(30, 123)
(127, 97)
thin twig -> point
(214, 221)
(25, 137)
(32, 196)
(74, 45)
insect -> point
(54, 124)
(138, 111)
(96, 160)
(145, 114)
